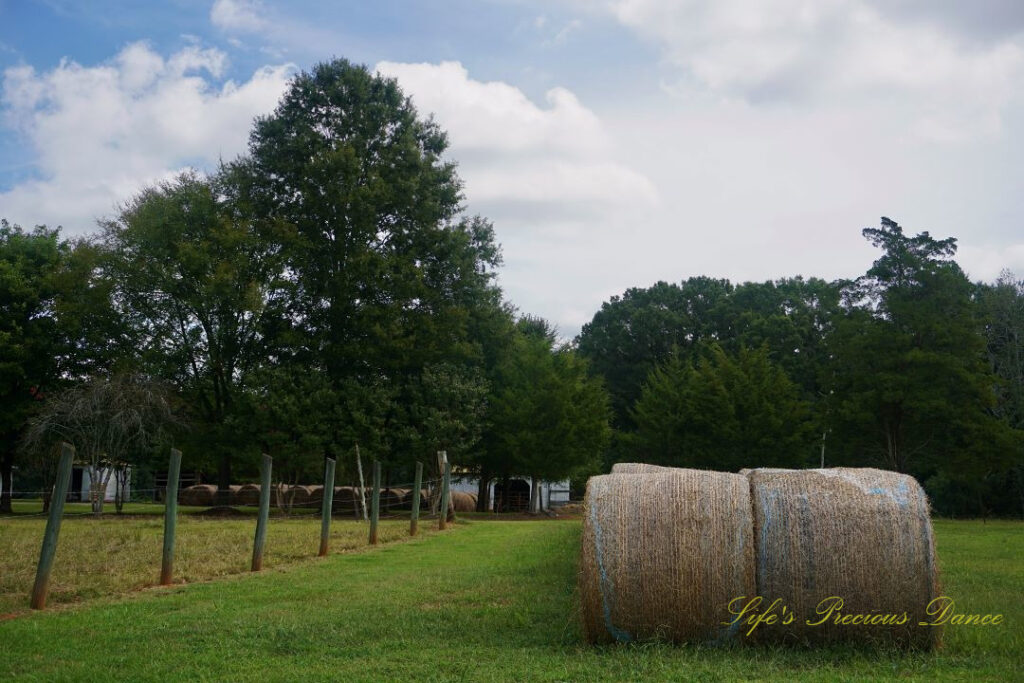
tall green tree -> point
(913, 389)
(197, 279)
(722, 412)
(386, 276)
(29, 338)
(631, 334)
(548, 418)
(56, 326)
(1002, 304)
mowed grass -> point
(114, 554)
(485, 601)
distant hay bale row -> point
(200, 494)
(666, 549)
(345, 499)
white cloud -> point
(512, 150)
(100, 133)
(837, 51)
(238, 15)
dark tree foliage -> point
(56, 326)
(913, 389)
(547, 418)
(197, 281)
(722, 412)
(385, 278)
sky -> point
(613, 143)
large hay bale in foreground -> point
(862, 535)
(248, 494)
(663, 555)
(200, 494)
(463, 502)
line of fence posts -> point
(170, 517)
(414, 518)
(49, 549)
(261, 520)
(53, 523)
(327, 505)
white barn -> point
(552, 493)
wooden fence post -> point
(170, 517)
(415, 519)
(326, 508)
(49, 549)
(261, 520)
(375, 503)
(442, 520)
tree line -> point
(910, 367)
(323, 292)
(327, 291)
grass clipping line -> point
(663, 553)
(863, 535)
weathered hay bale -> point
(233, 494)
(248, 494)
(316, 493)
(390, 499)
(199, 494)
(639, 468)
(862, 535)
(663, 554)
(463, 502)
(346, 499)
(297, 496)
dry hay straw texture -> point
(296, 496)
(863, 535)
(463, 502)
(346, 499)
(392, 499)
(201, 494)
(316, 493)
(663, 553)
(248, 494)
(639, 468)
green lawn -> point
(485, 601)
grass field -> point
(485, 601)
(115, 555)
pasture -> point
(488, 600)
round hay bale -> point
(639, 468)
(248, 494)
(202, 495)
(346, 499)
(663, 554)
(391, 499)
(316, 493)
(233, 494)
(298, 497)
(862, 535)
(463, 502)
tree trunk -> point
(6, 481)
(224, 480)
(47, 498)
(483, 491)
(534, 495)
